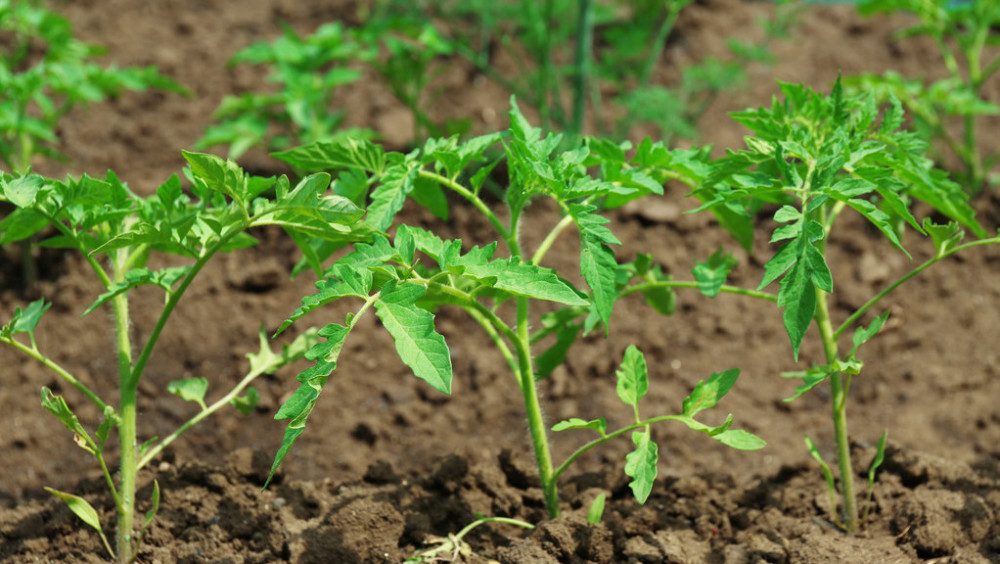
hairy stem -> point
(127, 419)
(536, 422)
(838, 390)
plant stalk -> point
(536, 423)
(838, 391)
(127, 423)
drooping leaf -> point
(412, 328)
(301, 403)
(640, 465)
(81, 508)
(57, 406)
(598, 266)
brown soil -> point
(386, 462)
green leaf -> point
(246, 403)
(301, 403)
(740, 439)
(945, 237)
(388, 198)
(343, 152)
(57, 406)
(810, 379)
(26, 321)
(153, 509)
(599, 425)
(798, 296)
(419, 346)
(80, 507)
(220, 175)
(707, 393)
(712, 274)
(862, 335)
(267, 362)
(190, 389)
(640, 465)
(109, 422)
(633, 378)
(351, 282)
(555, 355)
(22, 191)
(877, 461)
(598, 266)
(831, 487)
(164, 278)
(520, 279)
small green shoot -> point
(596, 510)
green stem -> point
(725, 289)
(536, 423)
(505, 520)
(476, 202)
(609, 436)
(59, 370)
(660, 41)
(127, 420)
(152, 452)
(551, 238)
(838, 390)
(584, 45)
(878, 297)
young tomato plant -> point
(404, 278)
(116, 232)
(308, 70)
(963, 32)
(45, 73)
(812, 157)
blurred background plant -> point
(44, 73)
(301, 109)
(565, 53)
(950, 110)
